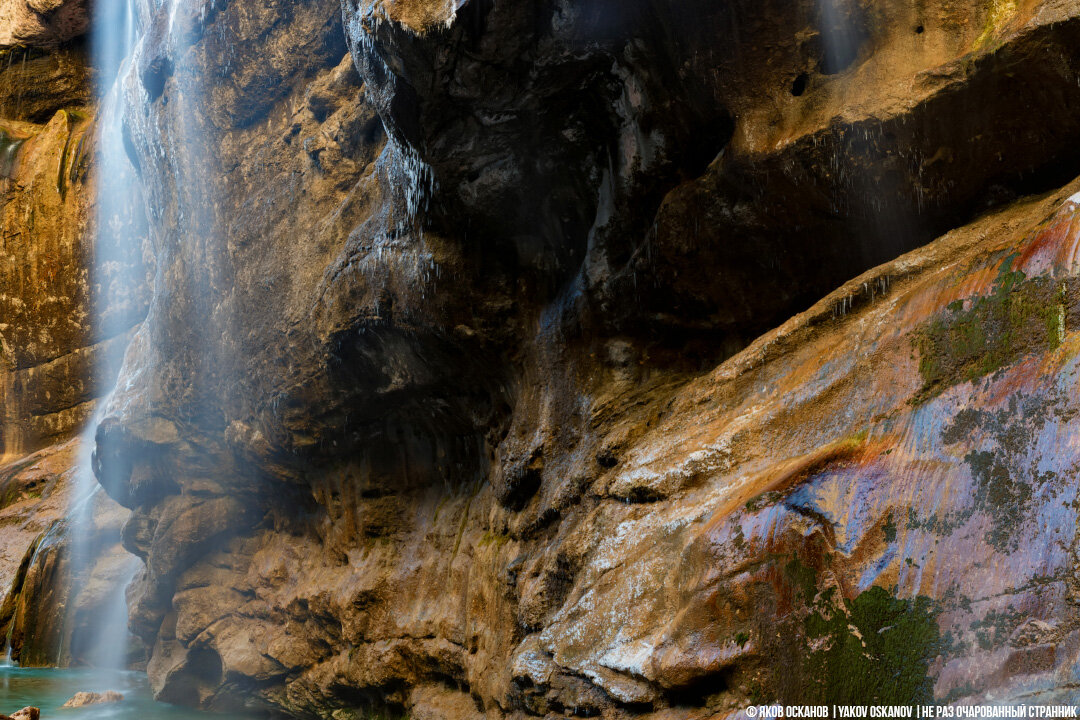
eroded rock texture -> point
(63, 324)
(42, 23)
(444, 402)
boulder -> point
(82, 699)
(27, 713)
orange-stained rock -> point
(27, 713)
(64, 322)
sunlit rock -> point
(27, 713)
(82, 699)
(42, 23)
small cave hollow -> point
(799, 84)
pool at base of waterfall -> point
(50, 688)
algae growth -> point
(982, 335)
(874, 649)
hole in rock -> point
(373, 701)
(156, 75)
(373, 132)
(919, 30)
(204, 665)
(704, 144)
(798, 87)
(698, 691)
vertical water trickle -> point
(8, 660)
(99, 581)
(841, 35)
(99, 578)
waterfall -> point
(102, 640)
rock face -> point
(445, 401)
(64, 324)
(680, 154)
(27, 713)
(36, 83)
(42, 23)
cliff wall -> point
(634, 358)
(448, 399)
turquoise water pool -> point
(49, 688)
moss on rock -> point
(874, 649)
(976, 337)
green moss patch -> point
(889, 529)
(982, 335)
(998, 15)
(995, 628)
(874, 650)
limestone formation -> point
(64, 323)
(42, 23)
(444, 406)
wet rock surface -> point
(82, 699)
(35, 83)
(27, 713)
(64, 324)
(52, 607)
(446, 401)
(791, 145)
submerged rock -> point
(81, 699)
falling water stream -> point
(113, 40)
(104, 645)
